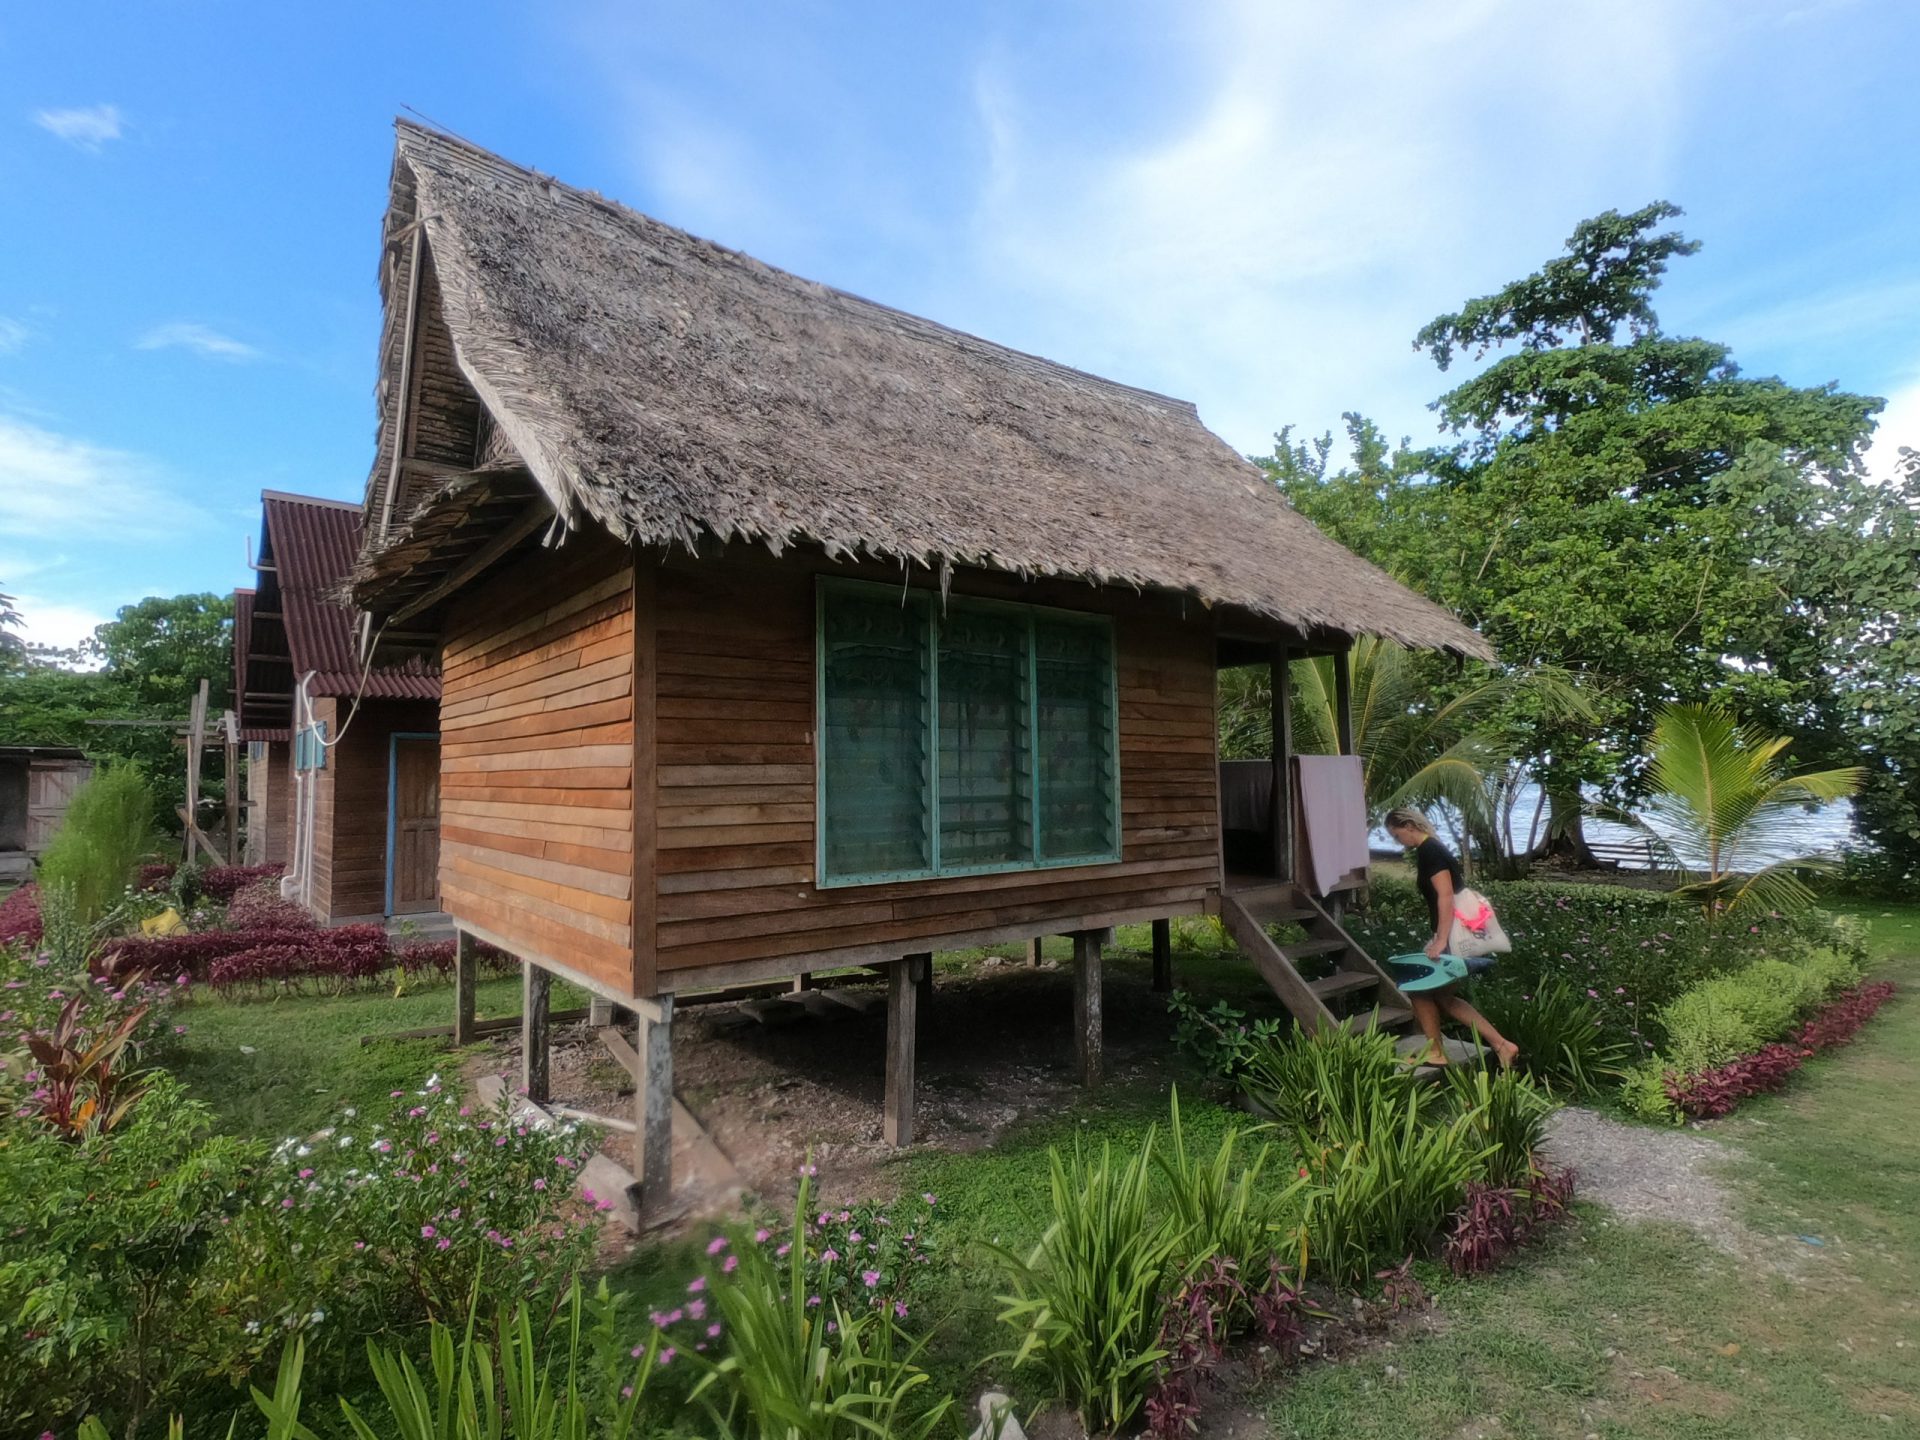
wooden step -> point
(1343, 982)
(1385, 1017)
(1274, 904)
(1306, 949)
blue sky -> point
(1250, 205)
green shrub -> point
(1644, 1093)
(1384, 1194)
(1563, 1039)
(1087, 1300)
(1219, 1039)
(104, 1302)
(1831, 970)
(1703, 1029)
(1326, 1085)
(1507, 1116)
(108, 827)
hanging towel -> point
(1333, 818)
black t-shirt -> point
(1430, 859)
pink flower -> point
(306, 1173)
(443, 1243)
(900, 1309)
(733, 1264)
(666, 1356)
(812, 1300)
(716, 1245)
(540, 1184)
(782, 1252)
(809, 1170)
(713, 1331)
(697, 1284)
(359, 1244)
(427, 1232)
(829, 1255)
(287, 1204)
(870, 1278)
(760, 1237)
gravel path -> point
(1641, 1173)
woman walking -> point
(1440, 878)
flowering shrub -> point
(369, 1227)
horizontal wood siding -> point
(734, 715)
(536, 759)
(276, 804)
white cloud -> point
(200, 339)
(55, 487)
(12, 335)
(1899, 426)
(85, 129)
(49, 622)
(1271, 254)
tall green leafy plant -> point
(1507, 1117)
(1719, 793)
(1564, 1041)
(1086, 1300)
(1326, 1085)
(108, 827)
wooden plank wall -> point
(735, 698)
(276, 803)
(536, 759)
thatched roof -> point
(668, 388)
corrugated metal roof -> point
(311, 544)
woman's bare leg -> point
(1427, 1012)
(1504, 1049)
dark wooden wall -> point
(537, 760)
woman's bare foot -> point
(1506, 1053)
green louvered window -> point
(970, 738)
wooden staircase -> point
(1344, 985)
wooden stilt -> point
(535, 1071)
(1036, 949)
(653, 1107)
(1086, 1007)
(466, 974)
(903, 1000)
(1162, 956)
(803, 982)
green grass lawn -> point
(274, 1068)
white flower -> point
(316, 1317)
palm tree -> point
(1720, 793)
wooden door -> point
(416, 825)
(51, 786)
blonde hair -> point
(1407, 818)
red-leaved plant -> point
(1193, 1334)
(1496, 1220)
(81, 1086)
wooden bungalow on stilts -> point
(343, 758)
(781, 631)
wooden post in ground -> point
(903, 1003)
(1280, 800)
(1036, 949)
(535, 1072)
(653, 1105)
(1162, 956)
(466, 973)
(230, 731)
(1343, 739)
(803, 982)
(1086, 1007)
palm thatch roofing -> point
(670, 389)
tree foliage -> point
(124, 692)
(1625, 505)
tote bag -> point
(1476, 929)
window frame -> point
(937, 605)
